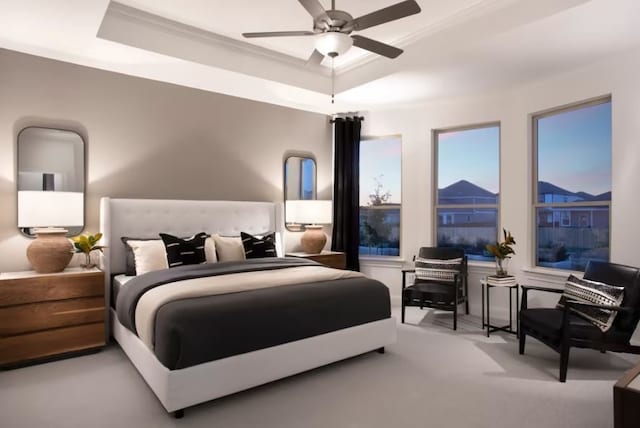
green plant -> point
(86, 244)
(502, 250)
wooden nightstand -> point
(331, 259)
(48, 315)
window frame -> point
(535, 117)
(435, 133)
(370, 257)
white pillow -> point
(149, 255)
(152, 255)
(210, 250)
(229, 248)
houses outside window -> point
(572, 192)
(467, 174)
(380, 196)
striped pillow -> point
(437, 269)
(586, 291)
(188, 251)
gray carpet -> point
(432, 377)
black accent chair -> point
(561, 329)
(438, 294)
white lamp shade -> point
(44, 209)
(309, 212)
(333, 42)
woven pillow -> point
(188, 251)
(256, 248)
(437, 269)
(586, 291)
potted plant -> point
(502, 251)
(86, 244)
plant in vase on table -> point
(502, 252)
(86, 244)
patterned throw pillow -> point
(189, 251)
(256, 248)
(437, 269)
(599, 293)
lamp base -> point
(313, 239)
(51, 251)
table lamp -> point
(313, 214)
(47, 213)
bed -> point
(275, 328)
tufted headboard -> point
(145, 218)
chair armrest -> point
(537, 288)
(525, 288)
(404, 276)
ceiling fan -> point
(335, 26)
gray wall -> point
(147, 139)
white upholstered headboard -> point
(145, 218)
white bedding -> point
(153, 299)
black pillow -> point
(256, 248)
(188, 251)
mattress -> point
(117, 284)
(192, 331)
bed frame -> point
(178, 389)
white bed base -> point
(178, 389)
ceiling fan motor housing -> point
(337, 22)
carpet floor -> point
(432, 377)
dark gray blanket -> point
(129, 296)
(196, 330)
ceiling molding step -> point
(461, 30)
(134, 27)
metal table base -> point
(487, 324)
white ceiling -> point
(454, 47)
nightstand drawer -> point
(31, 346)
(50, 287)
(42, 316)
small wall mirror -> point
(299, 183)
(51, 178)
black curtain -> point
(346, 190)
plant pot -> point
(502, 266)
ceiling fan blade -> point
(376, 47)
(315, 9)
(391, 13)
(315, 58)
(279, 34)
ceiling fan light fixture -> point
(333, 43)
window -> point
(380, 196)
(572, 194)
(468, 180)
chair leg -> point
(466, 306)
(402, 312)
(523, 339)
(455, 317)
(564, 362)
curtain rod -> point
(334, 120)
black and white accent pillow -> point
(599, 293)
(188, 251)
(437, 269)
(257, 248)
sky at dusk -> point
(574, 149)
(381, 158)
(471, 155)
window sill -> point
(383, 261)
(549, 276)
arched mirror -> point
(299, 184)
(51, 177)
